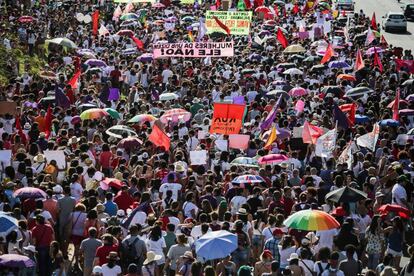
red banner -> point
(407, 65)
(227, 118)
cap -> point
(267, 254)
(245, 270)
(97, 269)
(120, 213)
(277, 232)
(293, 256)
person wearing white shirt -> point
(76, 188)
(399, 194)
(237, 201)
(170, 186)
(192, 142)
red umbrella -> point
(125, 33)
(396, 209)
(111, 182)
(262, 9)
(129, 143)
(25, 19)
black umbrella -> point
(346, 194)
(333, 89)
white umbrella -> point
(293, 71)
(168, 97)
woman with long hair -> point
(77, 221)
(375, 241)
(156, 243)
(395, 241)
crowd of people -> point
(125, 205)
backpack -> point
(131, 250)
(321, 270)
(333, 273)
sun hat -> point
(30, 248)
(40, 158)
(293, 256)
(151, 256)
(188, 255)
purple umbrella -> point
(264, 32)
(96, 62)
(15, 260)
(85, 52)
(145, 57)
(338, 64)
(255, 56)
(75, 120)
(371, 50)
(29, 192)
(406, 112)
(410, 98)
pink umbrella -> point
(175, 115)
(407, 112)
(125, 33)
(111, 182)
(298, 92)
(29, 192)
(25, 19)
(272, 159)
(371, 50)
(391, 104)
(158, 5)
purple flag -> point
(113, 94)
(271, 117)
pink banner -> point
(193, 50)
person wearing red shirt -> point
(102, 253)
(123, 199)
(105, 159)
(287, 200)
(43, 235)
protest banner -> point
(198, 157)
(7, 108)
(227, 118)
(187, 2)
(193, 50)
(238, 22)
(58, 156)
(134, 1)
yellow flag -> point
(272, 137)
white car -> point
(394, 21)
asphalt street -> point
(381, 7)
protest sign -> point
(221, 145)
(7, 108)
(5, 158)
(193, 50)
(58, 156)
(238, 21)
(134, 1)
(187, 2)
(239, 141)
(198, 157)
(227, 118)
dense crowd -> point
(125, 203)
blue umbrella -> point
(7, 223)
(361, 119)
(338, 64)
(389, 122)
(216, 245)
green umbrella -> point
(113, 113)
(129, 16)
(63, 41)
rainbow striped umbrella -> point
(93, 113)
(175, 115)
(248, 179)
(142, 118)
(311, 220)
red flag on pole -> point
(377, 60)
(350, 110)
(73, 82)
(310, 133)
(247, 4)
(295, 9)
(328, 54)
(95, 22)
(159, 138)
(139, 43)
(222, 25)
(281, 38)
(374, 22)
(383, 42)
(48, 122)
(359, 62)
(218, 4)
(276, 9)
(395, 108)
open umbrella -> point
(29, 192)
(286, 65)
(311, 220)
(372, 50)
(406, 112)
(333, 89)
(247, 179)
(7, 224)
(49, 75)
(346, 194)
(93, 113)
(358, 92)
(262, 9)
(293, 71)
(294, 49)
(63, 41)
(338, 64)
(247, 162)
(175, 115)
(346, 77)
(142, 118)
(278, 93)
(395, 209)
(16, 261)
(25, 19)
(129, 23)
(158, 5)
(111, 182)
(129, 143)
(272, 159)
(129, 33)
(361, 119)
(298, 92)
(129, 16)
(113, 113)
(389, 122)
(216, 245)
(119, 131)
(96, 63)
(168, 96)
(75, 120)
(147, 57)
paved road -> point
(381, 7)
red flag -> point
(159, 138)
(95, 22)
(218, 4)
(48, 121)
(139, 43)
(310, 133)
(284, 12)
(395, 108)
(73, 82)
(247, 4)
(383, 42)
(258, 3)
(377, 60)
(343, 13)
(20, 130)
(374, 22)
(407, 65)
(276, 9)
(305, 8)
(295, 9)
(281, 38)
(359, 62)
(350, 110)
(328, 54)
(222, 25)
